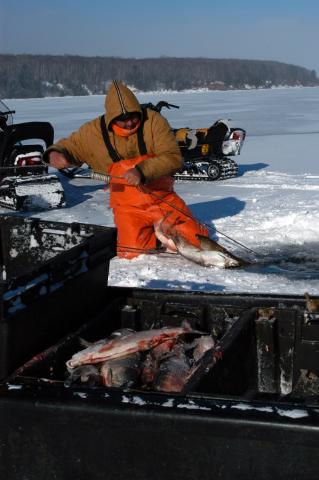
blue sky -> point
(283, 30)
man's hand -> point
(58, 160)
(133, 177)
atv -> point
(205, 151)
(24, 180)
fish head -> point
(232, 262)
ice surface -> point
(272, 207)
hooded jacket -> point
(86, 145)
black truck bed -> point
(254, 413)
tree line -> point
(25, 76)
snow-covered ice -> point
(272, 207)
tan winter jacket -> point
(86, 145)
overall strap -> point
(140, 135)
(112, 152)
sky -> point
(281, 30)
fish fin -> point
(207, 243)
(169, 227)
(84, 343)
(164, 234)
(186, 324)
(162, 220)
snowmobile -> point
(205, 151)
(24, 180)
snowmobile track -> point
(227, 169)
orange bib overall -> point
(136, 209)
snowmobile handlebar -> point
(162, 104)
(158, 107)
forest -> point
(32, 76)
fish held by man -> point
(208, 254)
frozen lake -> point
(272, 207)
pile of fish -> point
(160, 359)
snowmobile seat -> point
(216, 134)
(15, 134)
(191, 141)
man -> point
(137, 148)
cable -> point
(148, 251)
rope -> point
(150, 251)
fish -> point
(88, 374)
(202, 345)
(312, 304)
(208, 254)
(121, 372)
(173, 372)
(265, 313)
(153, 359)
(123, 346)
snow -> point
(272, 207)
(80, 394)
(294, 413)
(14, 387)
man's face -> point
(129, 123)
